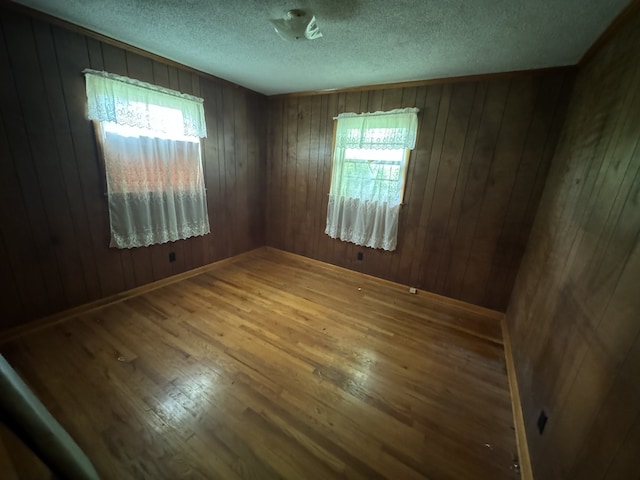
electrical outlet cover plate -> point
(413, 290)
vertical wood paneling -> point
(257, 185)
(273, 171)
(67, 158)
(242, 186)
(481, 162)
(416, 97)
(519, 215)
(53, 213)
(232, 195)
(447, 256)
(213, 95)
(107, 57)
(315, 172)
(445, 184)
(573, 316)
(211, 165)
(25, 157)
(419, 163)
(16, 231)
(38, 123)
(289, 173)
(324, 157)
(471, 181)
(72, 59)
(507, 158)
(301, 224)
(434, 140)
(8, 281)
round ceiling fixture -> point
(297, 25)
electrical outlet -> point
(172, 256)
(542, 421)
(360, 255)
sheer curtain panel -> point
(150, 140)
(367, 180)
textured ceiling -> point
(365, 42)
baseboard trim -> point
(50, 320)
(526, 472)
(494, 314)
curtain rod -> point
(378, 114)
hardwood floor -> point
(271, 365)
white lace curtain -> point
(151, 146)
(368, 176)
(126, 101)
(380, 130)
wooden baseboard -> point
(526, 472)
(495, 314)
(30, 327)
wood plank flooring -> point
(272, 365)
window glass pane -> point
(371, 174)
(166, 123)
(394, 155)
(368, 174)
(166, 119)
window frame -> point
(404, 168)
(163, 129)
(98, 131)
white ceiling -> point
(365, 42)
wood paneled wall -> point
(574, 318)
(53, 213)
(473, 183)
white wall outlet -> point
(413, 290)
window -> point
(150, 140)
(369, 170)
(374, 174)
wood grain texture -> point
(473, 183)
(50, 320)
(433, 81)
(98, 37)
(54, 218)
(574, 316)
(272, 365)
(619, 22)
(524, 460)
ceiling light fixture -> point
(297, 25)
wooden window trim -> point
(405, 165)
(97, 130)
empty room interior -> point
(320, 239)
